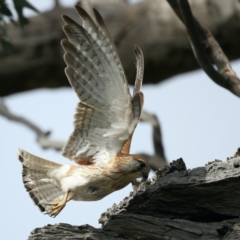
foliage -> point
(6, 15)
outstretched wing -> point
(107, 115)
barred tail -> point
(41, 188)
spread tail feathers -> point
(41, 188)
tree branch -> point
(41, 136)
(200, 37)
(158, 160)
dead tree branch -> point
(202, 203)
(158, 160)
(41, 136)
(201, 39)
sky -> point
(199, 121)
(45, 5)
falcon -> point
(104, 122)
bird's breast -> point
(100, 185)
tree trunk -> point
(37, 59)
(202, 203)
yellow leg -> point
(58, 206)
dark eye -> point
(142, 165)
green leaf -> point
(7, 46)
(4, 9)
(30, 6)
(24, 3)
(19, 5)
(22, 20)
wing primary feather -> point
(88, 23)
(75, 61)
(140, 70)
(137, 106)
(84, 90)
(86, 17)
(101, 22)
(85, 62)
(104, 27)
(87, 6)
(70, 22)
(73, 35)
(77, 35)
(90, 78)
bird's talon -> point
(57, 206)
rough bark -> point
(37, 59)
(202, 203)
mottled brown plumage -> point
(104, 123)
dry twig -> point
(42, 137)
(158, 160)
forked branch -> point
(201, 39)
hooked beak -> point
(144, 175)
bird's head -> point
(136, 166)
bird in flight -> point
(104, 122)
